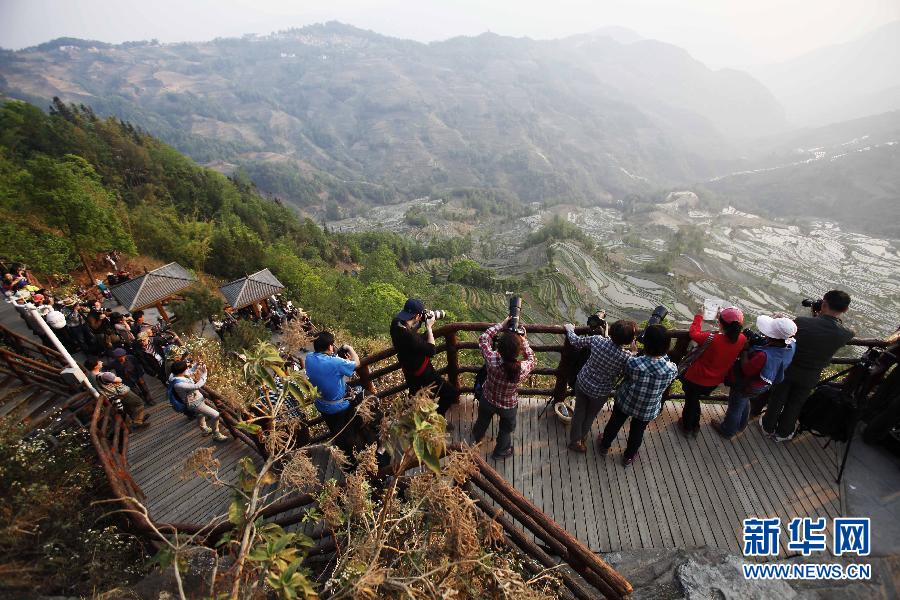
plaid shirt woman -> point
(500, 396)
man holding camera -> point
(818, 338)
(327, 371)
(414, 351)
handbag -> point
(691, 357)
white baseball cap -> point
(778, 328)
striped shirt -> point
(646, 378)
(604, 366)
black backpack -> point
(829, 412)
(480, 378)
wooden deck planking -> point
(680, 493)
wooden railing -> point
(26, 347)
(370, 373)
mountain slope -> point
(584, 119)
(839, 82)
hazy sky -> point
(718, 32)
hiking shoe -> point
(629, 460)
(763, 427)
(139, 424)
(603, 448)
(502, 455)
(578, 447)
(780, 439)
(220, 437)
(717, 427)
(206, 429)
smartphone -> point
(710, 309)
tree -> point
(68, 195)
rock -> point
(721, 579)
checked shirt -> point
(499, 390)
(646, 378)
(604, 366)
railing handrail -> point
(451, 345)
(45, 351)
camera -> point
(343, 352)
(754, 338)
(515, 309)
(815, 305)
(597, 320)
(659, 313)
(435, 314)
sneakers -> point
(220, 437)
(629, 460)
(717, 427)
(763, 427)
(206, 429)
(502, 455)
(601, 447)
(780, 439)
(578, 447)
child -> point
(640, 396)
(760, 366)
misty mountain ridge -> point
(583, 120)
(333, 114)
(839, 82)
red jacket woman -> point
(711, 367)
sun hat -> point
(413, 307)
(731, 314)
(37, 298)
(55, 319)
(777, 328)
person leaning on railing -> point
(719, 349)
(500, 396)
(640, 395)
(599, 374)
(818, 338)
(110, 386)
(414, 352)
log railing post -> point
(452, 358)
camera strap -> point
(421, 370)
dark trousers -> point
(486, 412)
(786, 400)
(635, 431)
(446, 394)
(586, 410)
(690, 415)
(344, 427)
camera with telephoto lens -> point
(343, 352)
(597, 320)
(435, 314)
(659, 313)
(754, 338)
(515, 309)
(815, 305)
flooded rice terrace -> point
(757, 264)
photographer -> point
(599, 374)
(640, 395)
(818, 338)
(414, 351)
(761, 364)
(112, 388)
(327, 371)
(717, 352)
(505, 371)
(186, 382)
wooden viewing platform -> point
(680, 494)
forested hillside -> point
(72, 183)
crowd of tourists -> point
(782, 362)
(120, 349)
